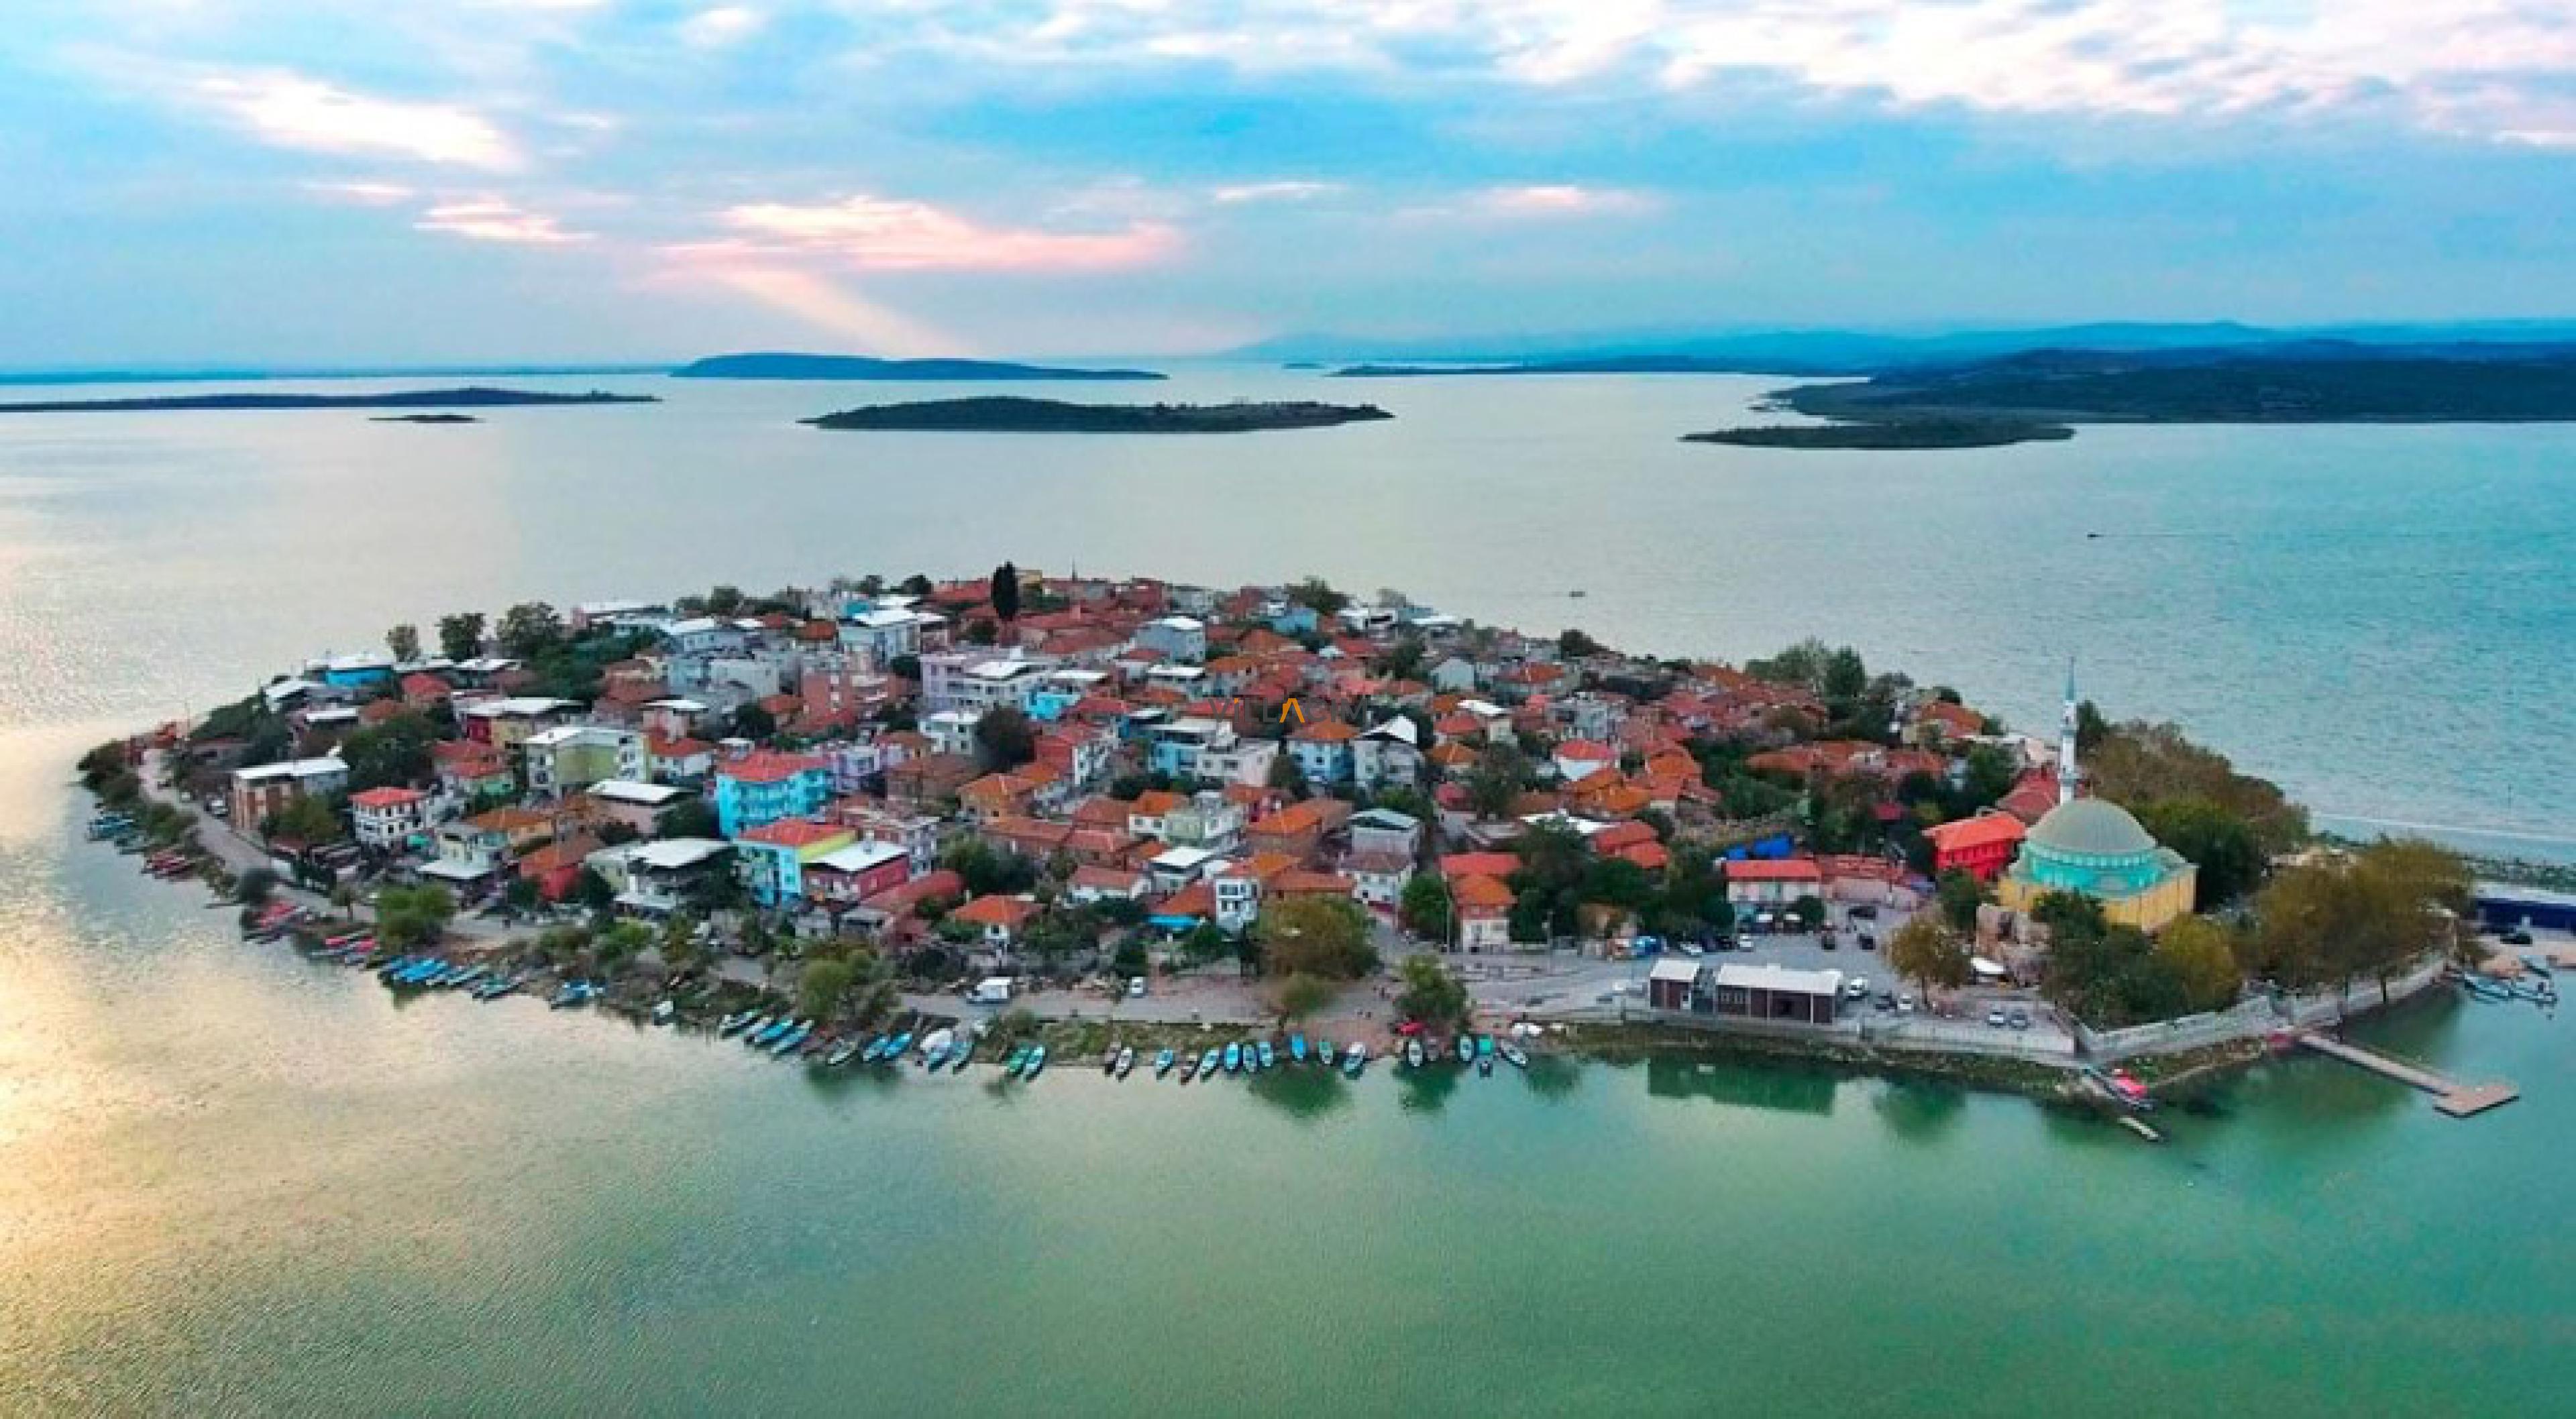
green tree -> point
(1495, 784)
(724, 601)
(1004, 739)
(1425, 908)
(752, 722)
(1429, 992)
(1927, 952)
(523, 895)
(1326, 937)
(1960, 894)
(393, 753)
(691, 818)
(460, 636)
(255, 885)
(1301, 996)
(1006, 592)
(822, 986)
(1318, 596)
(404, 642)
(409, 917)
(2221, 843)
(2202, 957)
(529, 629)
(1205, 942)
(305, 819)
(1575, 645)
(595, 890)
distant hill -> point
(1011, 415)
(768, 365)
(1851, 352)
(470, 398)
(254, 374)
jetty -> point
(2450, 1096)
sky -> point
(502, 180)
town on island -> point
(1025, 818)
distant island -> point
(1929, 433)
(471, 398)
(1013, 415)
(862, 367)
(1607, 364)
(2314, 383)
(424, 419)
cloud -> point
(1291, 190)
(292, 111)
(1560, 199)
(364, 194)
(721, 25)
(492, 219)
(881, 234)
(820, 303)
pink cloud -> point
(491, 219)
(881, 234)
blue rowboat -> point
(1297, 1047)
(1355, 1059)
(1163, 1063)
(1267, 1058)
(1234, 1058)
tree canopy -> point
(1430, 992)
(1325, 937)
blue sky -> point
(573, 179)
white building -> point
(980, 679)
(1182, 638)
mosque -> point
(2096, 848)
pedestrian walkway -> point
(2451, 1097)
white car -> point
(1135, 987)
(1858, 989)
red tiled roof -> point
(792, 833)
(1478, 890)
(769, 768)
(1983, 830)
(1784, 869)
(996, 911)
(385, 797)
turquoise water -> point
(232, 1181)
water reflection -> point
(1920, 1110)
(1302, 1094)
(1775, 1084)
(1553, 1077)
(1427, 1090)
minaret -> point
(2066, 775)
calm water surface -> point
(235, 1182)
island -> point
(1885, 434)
(2314, 382)
(469, 398)
(425, 419)
(789, 365)
(1604, 364)
(1012, 415)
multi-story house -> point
(568, 758)
(763, 788)
(387, 819)
(263, 790)
(771, 859)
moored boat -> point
(1267, 1058)
(1297, 1047)
(1210, 1062)
(1163, 1062)
(1234, 1057)
(1355, 1059)
(796, 1035)
(665, 1011)
(1519, 1058)
(1018, 1060)
(841, 1054)
(1413, 1054)
(1037, 1061)
(1466, 1048)
(733, 1024)
(1126, 1062)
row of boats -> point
(2538, 987)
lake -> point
(232, 1181)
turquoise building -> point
(2097, 849)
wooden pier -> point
(2449, 1096)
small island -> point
(468, 398)
(424, 419)
(1012, 415)
(1888, 434)
(789, 365)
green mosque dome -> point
(2092, 827)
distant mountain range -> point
(1835, 352)
(778, 365)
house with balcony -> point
(387, 819)
(763, 787)
(846, 876)
(771, 859)
(568, 758)
(263, 790)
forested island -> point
(1927, 433)
(469, 398)
(1015, 415)
(424, 419)
(2314, 383)
(768, 365)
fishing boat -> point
(965, 1052)
(1037, 1061)
(2485, 988)
(1519, 1057)
(1109, 1060)
(1324, 1052)
(897, 1048)
(473, 976)
(1126, 1061)
(1189, 1067)
(733, 1024)
(787, 1043)
(841, 1054)
(1413, 1054)
(2534, 990)
(1234, 1058)
(1297, 1047)
(1019, 1059)
(876, 1048)
(665, 1011)
(1163, 1063)
(1485, 1065)
(1355, 1059)
(768, 1030)
(935, 1048)
(1466, 1048)
(1267, 1058)
(577, 992)
(2538, 964)
(1210, 1062)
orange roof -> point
(1155, 802)
(385, 798)
(1325, 731)
(1784, 869)
(1478, 890)
(996, 911)
(769, 768)
(1479, 864)
(791, 833)
(1196, 899)
(1591, 749)
(1983, 830)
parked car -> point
(1135, 987)
(2517, 937)
(1905, 1003)
(2020, 1018)
(1887, 1000)
(1863, 912)
(1995, 1017)
(1857, 988)
(1868, 942)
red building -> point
(1982, 846)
